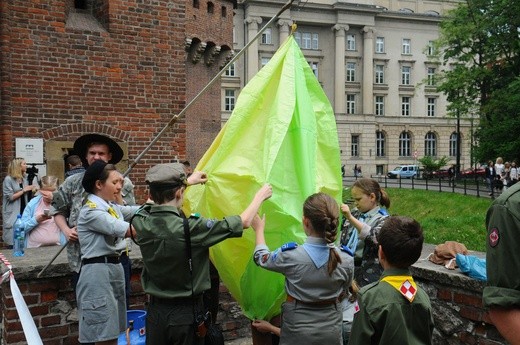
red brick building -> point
(117, 67)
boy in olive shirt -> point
(394, 310)
(175, 283)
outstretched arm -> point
(249, 213)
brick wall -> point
(456, 300)
(52, 303)
(118, 66)
(211, 35)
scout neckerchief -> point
(404, 284)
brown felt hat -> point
(82, 143)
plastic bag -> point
(472, 266)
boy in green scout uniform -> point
(502, 293)
(394, 310)
(175, 291)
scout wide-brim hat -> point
(82, 143)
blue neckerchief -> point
(317, 250)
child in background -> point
(394, 310)
(316, 274)
(40, 228)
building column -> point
(368, 70)
(252, 52)
(339, 68)
(283, 31)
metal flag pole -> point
(183, 111)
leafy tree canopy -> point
(479, 47)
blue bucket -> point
(136, 322)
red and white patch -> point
(356, 307)
(265, 257)
(494, 237)
(142, 331)
(408, 290)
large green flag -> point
(282, 131)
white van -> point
(404, 171)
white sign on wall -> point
(30, 149)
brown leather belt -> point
(314, 303)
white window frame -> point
(406, 75)
(380, 45)
(351, 42)
(431, 106)
(267, 36)
(430, 144)
(380, 144)
(351, 71)
(314, 66)
(405, 144)
(431, 48)
(354, 145)
(380, 105)
(453, 144)
(431, 76)
(315, 41)
(230, 71)
(264, 60)
(406, 46)
(379, 73)
(306, 40)
(229, 99)
(351, 103)
(406, 105)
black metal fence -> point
(467, 186)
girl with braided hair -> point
(316, 274)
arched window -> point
(380, 144)
(196, 3)
(453, 144)
(430, 144)
(211, 7)
(405, 144)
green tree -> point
(431, 164)
(479, 46)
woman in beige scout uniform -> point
(102, 227)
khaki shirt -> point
(503, 241)
(160, 234)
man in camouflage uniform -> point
(502, 293)
(68, 199)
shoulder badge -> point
(346, 249)
(494, 237)
(210, 223)
(195, 215)
(289, 246)
(91, 204)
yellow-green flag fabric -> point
(283, 132)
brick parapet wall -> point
(456, 299)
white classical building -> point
(376, 63)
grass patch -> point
(443, 216)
